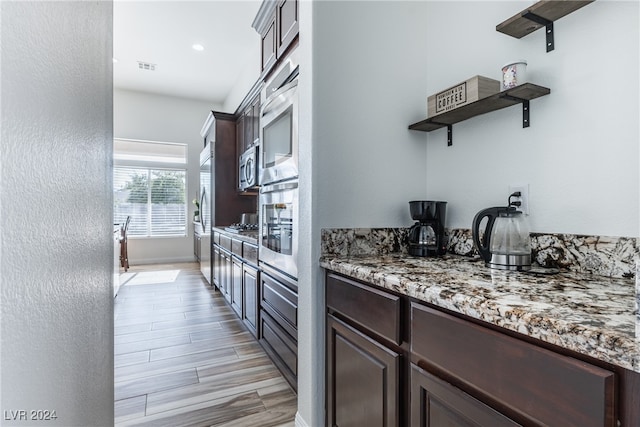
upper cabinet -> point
(268, 44)
(248, 120)
(286, 25)
(277, 24)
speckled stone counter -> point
(590, 314)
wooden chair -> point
(124, 256)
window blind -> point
(154, 197)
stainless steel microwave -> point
(248, 169)
(279, 135)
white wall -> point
(246, 79)
(367, 68)
(361, 65)
(55, 211)
(138, 115)
(368, 84)
(580, 155)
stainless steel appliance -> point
(427, 237)
(506, 242)
(248, 223)
(248, 169)
(205, 212)
(279, 126)
(278, 234)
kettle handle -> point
(483, 246)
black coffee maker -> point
(426, 237)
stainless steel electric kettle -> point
(505, 243)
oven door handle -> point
(278, 187)
(275, 97)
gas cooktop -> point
(240, 228)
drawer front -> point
(236, 247)
(437, 403)
(534, 384)
(216, 237)
(280, 302)
(372, 308)
(225, 242)
(280, 347)
(250, 253)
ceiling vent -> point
(146, 66)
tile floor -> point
(183, 358)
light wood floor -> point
(182, 357)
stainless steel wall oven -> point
(278, 238)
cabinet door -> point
(269, 45)
(250, 298)
(236, 286)
(255, 119)
(287, 24)
(225, 275)
(196, 246)
(248, 128)
(435, 403)
(363, 379)
(217, 261)
(240, 143)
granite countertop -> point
(245, 236)
(590, 314)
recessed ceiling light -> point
(198, 47)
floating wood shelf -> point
(541, 14)
(518, 95)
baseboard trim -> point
(173, 260)
(300, 422)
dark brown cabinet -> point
(252, 123)
(236, 275)
(250, 298)
(216, 262)
(236, 286)
(437, 403)
(268, 44)
(363, 379)
(196, 242)
(286, 25)
(277, 24)
(530, 384)
(364, 356)
(226, 204)
(247, 128)
(226, 270)
(255, 119)
(279, 322)
(240, 140)
(248, 125)
(384, 348)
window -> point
(147, 188)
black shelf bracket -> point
(525, 114)
(525, 108)
(449, 132)
(542, 21)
